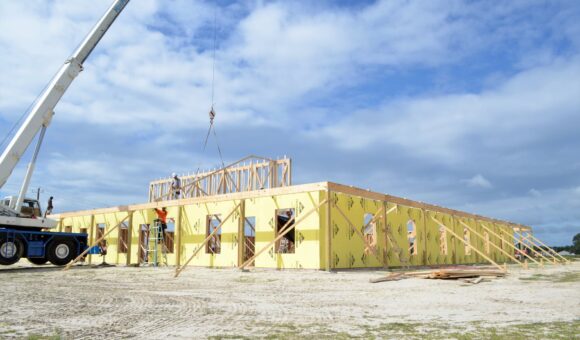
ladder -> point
(156, 240)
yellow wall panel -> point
(348, 247)
(307, 232)
(397, 252)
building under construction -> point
(249, 214)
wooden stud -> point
(178, 235)
(425, 245)
(129, 238)
(549, 248)
(491, 243)
(241, 233)
(509, 242)
(525, 245)
(465, 242)
(91, 235)
(219, 181)
(385, 232)
(329, 233)
(532, 248)
(534, 243)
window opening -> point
(122, 247)
(213, 246)
(412, 237)
(100, 233)
(370, 232)
(249, 237)
(143, 242)
(285, 219)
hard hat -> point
(173, 174)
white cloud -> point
(478, 181)
(154, 66)
(539, 98)
(555, 217)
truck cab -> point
(29, 217)
(30, 207)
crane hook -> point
(211, 115)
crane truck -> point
(24, 231)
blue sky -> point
(473, 105)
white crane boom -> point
(41, 113)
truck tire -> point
(10, 252)
(37, 260)
(61, 251)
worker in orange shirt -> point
(162, 219)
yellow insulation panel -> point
(362, 231)
(349, 237)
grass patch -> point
(569, 277)
(474, 330)
(557, 278)
(43, 337)
(537, 277)
(421, 331)
(56, 335)
(252, 279)
(246, 279)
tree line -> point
(574, 248)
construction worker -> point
(175, 186)
(162, 219)
(49, 207)
(103, 251)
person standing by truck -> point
(49, 207)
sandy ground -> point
(122, 302)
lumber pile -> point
(472, 275)
(454, 274)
